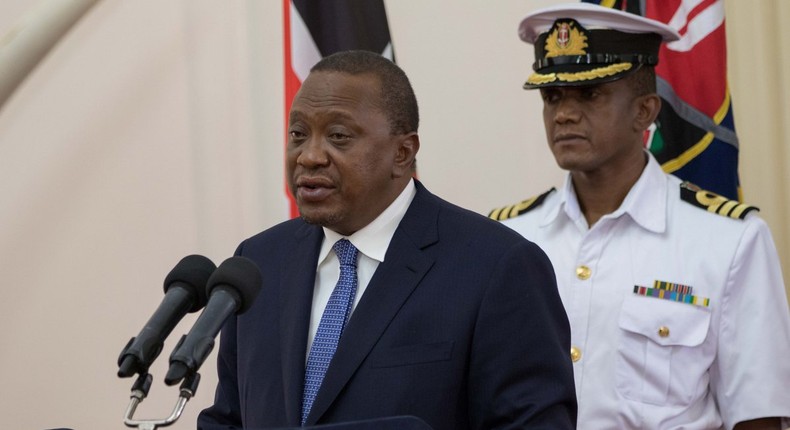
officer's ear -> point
(647, 108)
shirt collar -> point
(374, 239)
(645, 203)
(568, 204)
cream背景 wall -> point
(154, 130)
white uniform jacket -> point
(679, 318)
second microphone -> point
(231, 289)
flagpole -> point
(29, 41)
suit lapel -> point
(296, 296)
(405, 264)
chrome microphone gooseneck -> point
(140, 390)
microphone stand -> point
(140, 390)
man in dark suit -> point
(456, 318)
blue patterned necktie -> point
(334, 319)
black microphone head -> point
(193, 272)
(242, 276)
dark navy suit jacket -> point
(461, 326)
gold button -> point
(583, 273)
(663, 331)
(576, 354)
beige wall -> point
(154, 130)
(759, 63)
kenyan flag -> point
(694, 136)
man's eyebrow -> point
(296, 115)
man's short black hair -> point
(643, 81)
(397, 96)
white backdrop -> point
(155, 130)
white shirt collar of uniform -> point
(374, 239)
(568, 203)
(646, 202)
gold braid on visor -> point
(602, 72)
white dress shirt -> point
(372, 242)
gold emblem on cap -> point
(565, 39)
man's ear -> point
(408, 146)
(648, 107)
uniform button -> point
(663, 331)
(583, 273)
(576, 354)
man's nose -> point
(567, 110)
(313, 152)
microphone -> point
(185, 291)
(232, 288)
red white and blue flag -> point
(694, 135)
(315, 29)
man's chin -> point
(321, 219)
(569, 163)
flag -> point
(315, 29)
(694, 136)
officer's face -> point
(594, 128)
(344, 166)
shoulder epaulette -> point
(713, 202)
(511, 211)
